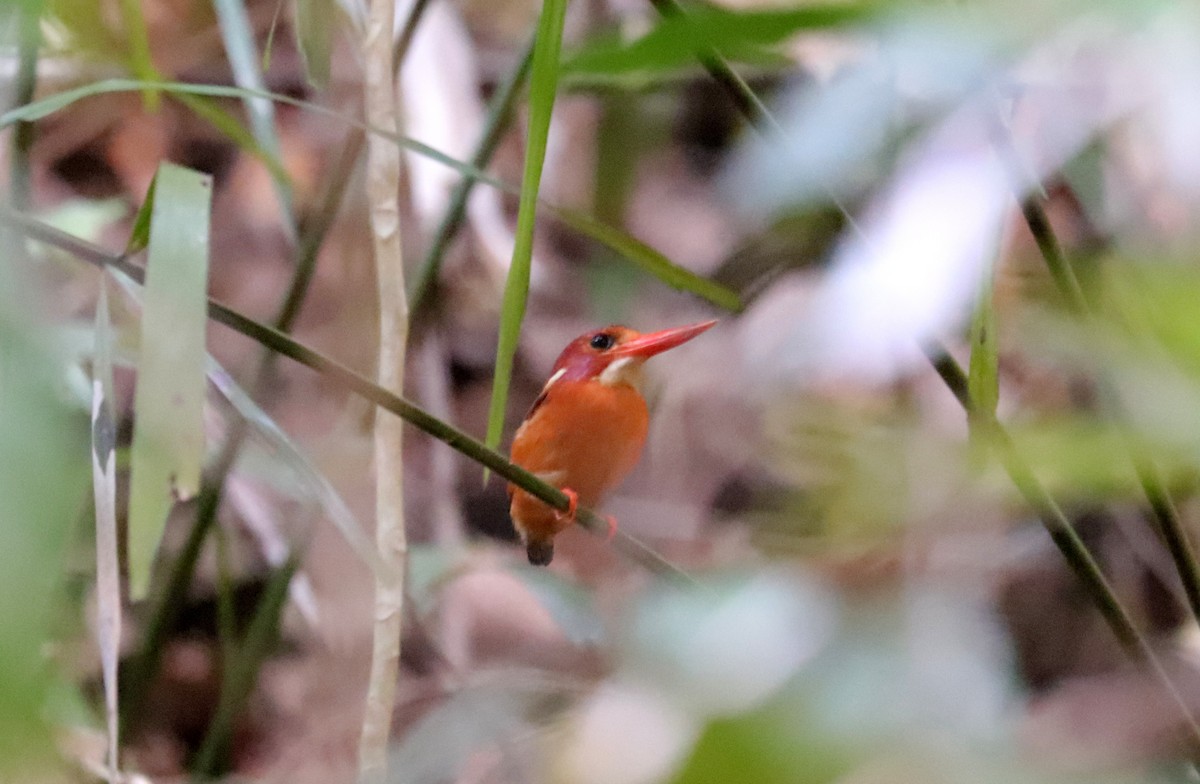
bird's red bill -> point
(646, 346)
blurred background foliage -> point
(854, 188)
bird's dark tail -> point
(540, 552)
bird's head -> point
(614, 355)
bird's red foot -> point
(612, 528)
(568, 516)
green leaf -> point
(983, 375)
(43, 472)
(316, 21)
(168, 436)
(674, 42)
(140, 61)
(139, 236)
(240, 48)
(649, 259)
(543, 88)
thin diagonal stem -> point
(1074, 551)
(1169, 524)
(1067, 540)
(629, 546)
(165, 610)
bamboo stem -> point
(383, 187)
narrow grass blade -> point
(140, 61)
(231, 127)
(55, 103)
(610, 236)
(316, 21)
(500, 112)
(983, 372)
(650, 260)
(168, 436)
(242, 673)
(543, 87)
(282, 446)
(240, 49)
(28, 47)
(104, 486)
(275, 340)
(738, 34)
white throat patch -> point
(626, 370)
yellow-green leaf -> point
(168, 436)
(543, 88)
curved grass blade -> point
(620, 242)
(229, 125)
(168, 435)
(983, 372)
(650, 260)
(140, 60)
(240, 49)
(543, 88)
(282, 446)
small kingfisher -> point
(585, 431)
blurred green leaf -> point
(316, 22)
(736, 34)
(140, 61)
(1154, 302)
(1081, 459)
(765, 747)
(168, 436)
(43, 483)
(543, 88)
(86, 218)
(86, 24)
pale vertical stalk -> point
(104, 478)
(383, 184)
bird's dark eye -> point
(602, 342)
